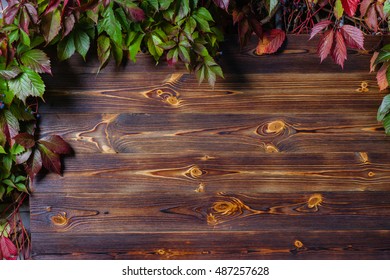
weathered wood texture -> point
(283, 159)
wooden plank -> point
(172, 211)
(172, 133)
(360, 244)
(220, 172)
(180, 93)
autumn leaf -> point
(318, 27)
(350, 6)
(223, 4)
(339, 51)
(34, 164)
(51, 161)
(354, 37)
(381, 76)
(371, 19)
(372, 61)
(25, 139)
(271, 42)
(56, 144)
(325, 44)
(364, 6)
(136, 13)
(8, 250)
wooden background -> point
(283, 159)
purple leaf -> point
(34, 164)
(50, 160)
(223, 4)
(56, 144)
(25, 139)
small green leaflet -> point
(384, 109)
(111, 26)
(29, 83)
(66, 48)
(386, 7)
(81, 42)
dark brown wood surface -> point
(283, 159)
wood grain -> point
(216, 245)
(220, 172)
(172, 133)
(282, 159)
(172, 211)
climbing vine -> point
(188, 32)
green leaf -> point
(217, 70)
(203, 24)
(204, 13)
(189, 27)
(16, 149)
(117, 53)
(2, 192)
(2, 151)
(386, 124)
(134, 47)
(383, 56)
(111, 26)
(153, 47)
(25, 39)
(183, 10)
(21, 187)
(66, 47)
(154, 4)
(184, 54)
(27, 84)
(338, 9)
(164, 4)
(81, 42)
(104, 49)
(386, 7)
(271, 4)
(51, 25)
(37, 60)
(384, 108)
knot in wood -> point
(172, 100)
(314, 201)
(270, 148)
(195, 172)
(275, 127)
(211, 219)
(227, 208)
(60, 219)
(298, 244)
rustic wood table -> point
(283, 159)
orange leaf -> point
(271, 42)
(381, 76)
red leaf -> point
(271, 42)
(243, 32)
(8, 249)
(56, 144)
(25, 139)
(371, 19)
(350, 6)
(50, 160)
(136, 13)
(372, 61)
(237, 16)
(339, 51)
(364, 6)
(24, 21)
(325, 44)
(256, 26)
(354, 37)
(223, 4)
(68, 25)
(381, 76)
(34, 164)
(10, 13)
(380, 9)
(318, 27)
(53, 4)
(32, 12)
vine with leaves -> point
(186, 31)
